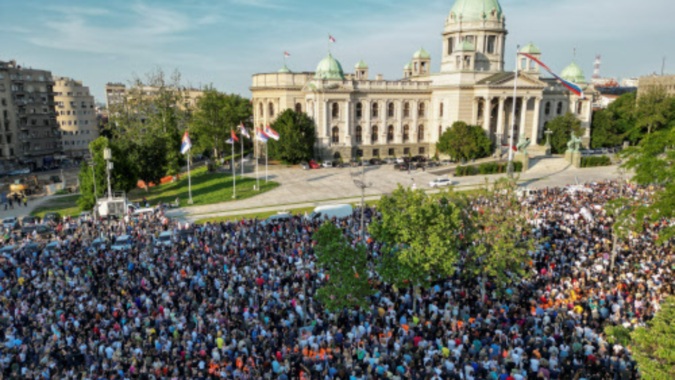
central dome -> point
(476, 10)
(573, 73)
(329, 68)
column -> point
(398, 125)
(486, 114)
(365, 129)
(412, 132)
(349, 123)
(500, 118)
(474, 112)
(383, 118)
(326, 126)
(535, 121)
(523, 113)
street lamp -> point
(363, 186)
(107, 155)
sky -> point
(223, 42)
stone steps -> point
(548, 165)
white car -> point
(440, 182)
(85, 216)
(164, 239)
(400, 160)
(121, 243)
(327, 164)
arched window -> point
(374, 134)
(547, 108)
(560, 107)
(406, 109)
(420, 110)
(420, 133)
(262, 110)
(336, 110)
(390, 112)
(336, 156)
(336, 135)
(271, 109)
(376, 109)
(580, 107)
(298, 107)
(390, 133)
(406, 133)
(359, 110)
(359, 134)
(440, 110)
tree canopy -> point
(465, 141)
(561, 128)
(297, 136)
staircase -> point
(548, 165)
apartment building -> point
(116, 94)
(665, 83)
(76, 116)
(29, 135)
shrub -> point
(487, 168)
(589, 162)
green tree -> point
(465, 141)
(604, 133)
(347, 268)
(561, 128)
(421, 236)
(149, 154)
(122, 177)
(615, 124)
(297, 136)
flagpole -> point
(242, 151)
(509, 170)
(257, 183)
(266, 163)
(190, 201)
(234, 173)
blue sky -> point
(224, 42)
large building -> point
(664, 83)
(29, 135)
(76, 116)
(357, 115)
(117, 93)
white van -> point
(144, 212)
(331, 211)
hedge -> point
(589, 162)
(487, 168)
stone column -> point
(398, 125)
(523, 114)
(500, 117)
(326, 118)
(413, 128)
(474, 111)
(365, 129)
(349, 123)
(383, 118)
(535, 121)
(486, 114)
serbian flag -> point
(261, 136)
(186, 144)
(244, 131)
(271, 133)
(233, 138)
(331, 39)
(286, 54)
(570, 86)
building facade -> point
(355, 115)
(665, 83)
(75, 115)
(29, 135)
(117, 93)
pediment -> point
(506, 79)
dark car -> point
(375, 161)
(338, 164)
(401, 167)
(33, 248)
(67, 232)
(42, 231)
(52, 217)
(432, 164)
(29, 220)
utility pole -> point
(361, 184)
(107, 155)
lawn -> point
(259, 215)
(207, 188)
(66, 206)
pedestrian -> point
(25, 201)
(11, 203)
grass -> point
(259, 215)
(207, 188)
(66, 206)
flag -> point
(233, 138)
(271, 133)
(186, 145)
(261, 136)
(570, 86)
(244, 131)
(286, 54)
(331, 39)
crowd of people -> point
(236, 300)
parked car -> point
(52, 217)
(402, 167)
(390, 160)
(41, 230)
(432, 164)
(28, 220)
(331, 211)
(304, 166)
(314, 165)
(375, 161)
(400, 160)
(121, 243)
(327, 164)
(11, 223)
(85, 216)
(7, 250)
(33, 248)
(440, 182)
(165, 239)
(366, 163)
(446, 162)
(100, 243)
(281, 217)
(338, 164)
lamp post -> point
(107, 155)
(93, 173)
(363, 186)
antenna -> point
(596, 70)
(663, 65)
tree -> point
(604, 133)
(123, 176)
(615, 124)
(347, 268)
(464, 141)
(297, 136)
(562, 128)
(149, 154)
(421, 236)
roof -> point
(329, 68)
(530, 49)
(465, 46)
(361, 65)
(408, 66)
(476, 10)
(573, 73)
(423, 54)
(284, 70)
(495, 78)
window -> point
(336, 135)
(390, 112)
(67, 112)
(390, 134)
(421, 150)
(376, 153)
(359, 134)
(420, 133)
(375, 110)
(471, 40)
(440, 110)
(336, 110)
(271, 109)
(406, 110)
(451, 45)
(420, 110)
(440, 131)
(373, 135)
(298, 107)
(392, 152)
(261, 111)
(560, 107)
(406, 133)
(580, 107)
(547, 108)
(491, 42)
(406, 151)
(359, 110)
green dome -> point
(465, 46)
(573, 73)
(475, 10)
(423, 54)
(409, 66)
(361, 65)
(329, 68)
(284, 70)
(530, 49)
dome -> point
(475, 10)
(573, 73)
(361, 65)
(329, 68)
(423, 54)
(530, 49)
(409, 66)
(284, 70)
